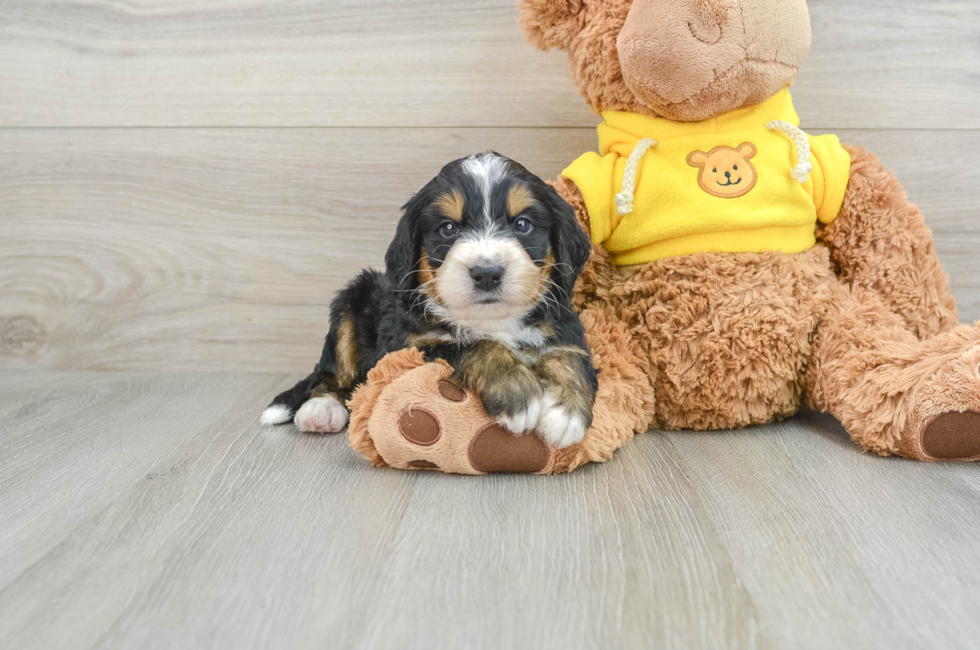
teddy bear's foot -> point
(411, 415)
(934, 402)
(943, 422)
(952, 436)
(423, 420)
(446, 429)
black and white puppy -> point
(480, 273)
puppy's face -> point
(488, 241)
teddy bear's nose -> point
(728, 174)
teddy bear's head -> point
(685, 60)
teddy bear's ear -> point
(551, 23)
(697, 159)
(746, 150)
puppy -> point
(480, 273)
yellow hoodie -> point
(738, 183)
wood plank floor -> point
(151, 511)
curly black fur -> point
(379, 313)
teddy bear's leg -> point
(894, 393)
(411, 415)
(880, 242)
(625, 401)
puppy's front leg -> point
(510, 391)
(570, 389)
(323, 412)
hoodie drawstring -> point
(802, 170)
(624, 200)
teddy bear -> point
(740, 267)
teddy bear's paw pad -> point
(424, 420)
(451, 391)
(495, 449)
(422, 464)
(419, 427)
(952, 436)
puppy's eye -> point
(449, 229)
(523, 226)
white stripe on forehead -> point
(487, 169)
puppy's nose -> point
(487, 278)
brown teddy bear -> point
(739, 265)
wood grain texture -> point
(874, 64)
(152, 512)
(200, 249)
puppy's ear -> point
(569, 244)
(551, 23)
(402, 258)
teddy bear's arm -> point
(880, 241)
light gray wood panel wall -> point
(874, 64)
(201, 249)
(248, 158)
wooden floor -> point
(150, 511)
(183, 186)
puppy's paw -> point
(513, 399)
(560, 426)
(522, 420)
(321, 415)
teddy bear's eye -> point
(735, 167)
(715, 170)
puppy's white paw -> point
(559, 426)
(523, 422)
(275, 414)
(321, 415)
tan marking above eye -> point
(519, 199)
(451, 205)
